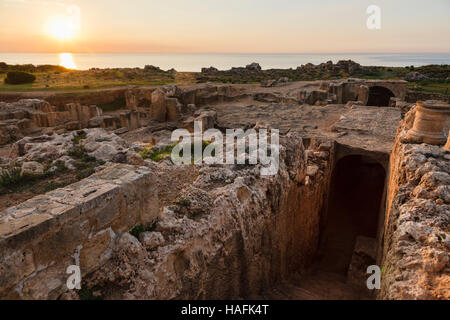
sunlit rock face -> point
(417, 221)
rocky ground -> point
(241, 106)
(53, 161)
(226, 231)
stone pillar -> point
(158, 109)
(430, 123)
(363, 94)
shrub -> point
(80, 153)
(19, 77)
(137, 230)
(52, 185)
(3, 67)
(80, 135)
(10, 177)
(89, 294)
(84, 173)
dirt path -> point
(181, 79)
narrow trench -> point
(356, 193)
(355, 199)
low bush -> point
(80, 135)
(19, 77)
(10, 177)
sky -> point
(223, 26)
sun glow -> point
(61, 28)
(66, 60)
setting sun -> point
(61, 28)
(66, 60)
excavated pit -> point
(223, 232)
(356, 195)
(354, 213)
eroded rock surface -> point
(416, 259)
(97, 143)
(221, 236)
(214, 232)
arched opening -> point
(379, 96)
(356, 194)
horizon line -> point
(224, 53)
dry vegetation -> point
(49, 78)
(59, 78)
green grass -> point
(138, 229)
(156, 154)
(99, 85)
(74, 80)
(12, 181)
(437, 72)
(79, 153)
(80, 135)
(433, 87)
(88, 294)
(52, 185)
(55, 78)
(85, 164)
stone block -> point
(15, 267)
(92, 255)
(41, 236)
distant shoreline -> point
(191, 62)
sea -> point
(194, 62)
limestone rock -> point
(151, 240)
(311, 171)
(268, 83)
(416, 240)
(253, 67)
(134, 158)
(364, 255)
(152, 68)
(98, 143)
(312, 96)
(208, 119)
(415, 76)
(173, 109)
(210, 70)
(32, 168)
(158, 108)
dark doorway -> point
(379, 96)
(355, 200)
